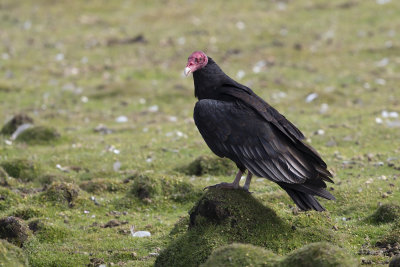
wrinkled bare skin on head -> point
(196, 60)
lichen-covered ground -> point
(112, 143)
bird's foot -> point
(223, 185)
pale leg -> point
(248, 180)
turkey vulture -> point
(239, 125)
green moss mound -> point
(8, 199)
(38, 135)
(12, 125)
(14, 230)
(210, 165)
(27, 213)
(25, 170)
(386, 213)
(224, 216)
(320, 254)
(392, 237)
(241, 255)
(102, 185)
(46, 231)
(11, 255)
(147, 186)
(62, 193)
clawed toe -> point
(223, 185)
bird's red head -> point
(197, 60)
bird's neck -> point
(208, 80)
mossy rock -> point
(149, 186)
(23, 169)
(386, 213)
(46, 231)
(241, 255)
(8, 199)
(27, 213)
(38, 135)
(14, 230)
(11, 126)
(321, 254)
(210, 165)
(225, 216)
(11, 255)
(62, 193)
(102, 185)
(221, 217)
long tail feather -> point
(303, 200)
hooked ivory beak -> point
(187, 71)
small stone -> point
(380, 81)
(331, 143)
(383, 62)
(240, 25)
(311, 97)
(102, 129)
(324, 108)
(383, 2)
(121, 119)
(59, 57)
(240, 74)
(153, 108)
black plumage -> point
(239, 125)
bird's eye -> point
(196, 60)
(199, 59)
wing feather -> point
(235, 131)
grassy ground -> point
(72, 65)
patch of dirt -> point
(14, 230)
